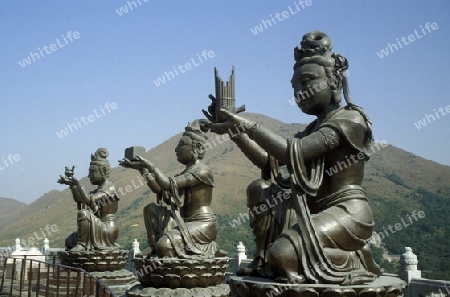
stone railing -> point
(416, 285)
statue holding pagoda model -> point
(320, 234)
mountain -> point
(10, 207)
(399, 186)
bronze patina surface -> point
(320, 234)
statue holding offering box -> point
(320, 235)
(181, 224)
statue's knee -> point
(277, 250)
(149, 209)
(257, 192)
(283, 257)
(72, 240)
(164, 247)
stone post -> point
(408, 266)
(134, 251)
(239, 256)
(17, 247)
(46, 246)
(135, 248)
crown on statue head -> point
(313, 43)
(99, 157)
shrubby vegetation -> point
(429, 237)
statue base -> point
(221, 290)
(181, 273)
(107, 266)
(99, 261)
(118, 281)
(384, 286)
(180, 277)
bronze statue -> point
(181, 224)
(96, 219)
(319, 234)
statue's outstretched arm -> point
(252, 150)
(314, 145)
(319, 143)
(151, 181)
(182, 181)
(271, 142)
(156, 180)
(142, 165)
(79, 194)
(263, 139)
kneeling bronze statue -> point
(96, 218)
(320, 234)
(181, 224)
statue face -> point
(184, 150)
(311, 89)
(95, 175)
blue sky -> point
(116, 59)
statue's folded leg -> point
(157, 220)
(269, 215)
(82, 236)
(165, 248)
(284, 261)
(71, 240)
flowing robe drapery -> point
(97, 222)
(193, 235)
(331, 232)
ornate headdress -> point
(316, 47)
(312, 44)
(196, 131)
(99, 158)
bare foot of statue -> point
(221, 253)
(251, 269)
(78, 248)
(148, 252)
(294, 278)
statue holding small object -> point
(181, 224)
(320, 234)
(93, 246)
(96, 218)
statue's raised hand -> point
(139, 163)
(232, 123)
(70, 181)
(211, 114)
